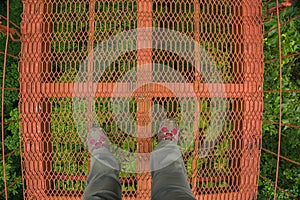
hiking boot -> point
(168, 131)
(96, 139)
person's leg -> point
(169, 179)
(103, 179)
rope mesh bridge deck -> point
(57, 37)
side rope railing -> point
(13, 35)
(281, 16)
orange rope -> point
(12, 184)
(284, 23)
(284, 57)
(289, 125)
(283, 157)
(280, 188)
(2, 109)
(10, 153)
(280, 98)
(10, 55)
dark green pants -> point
(169, 179)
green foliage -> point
(11, 130)
(13, 170)
(63, 135)
(290, 137)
